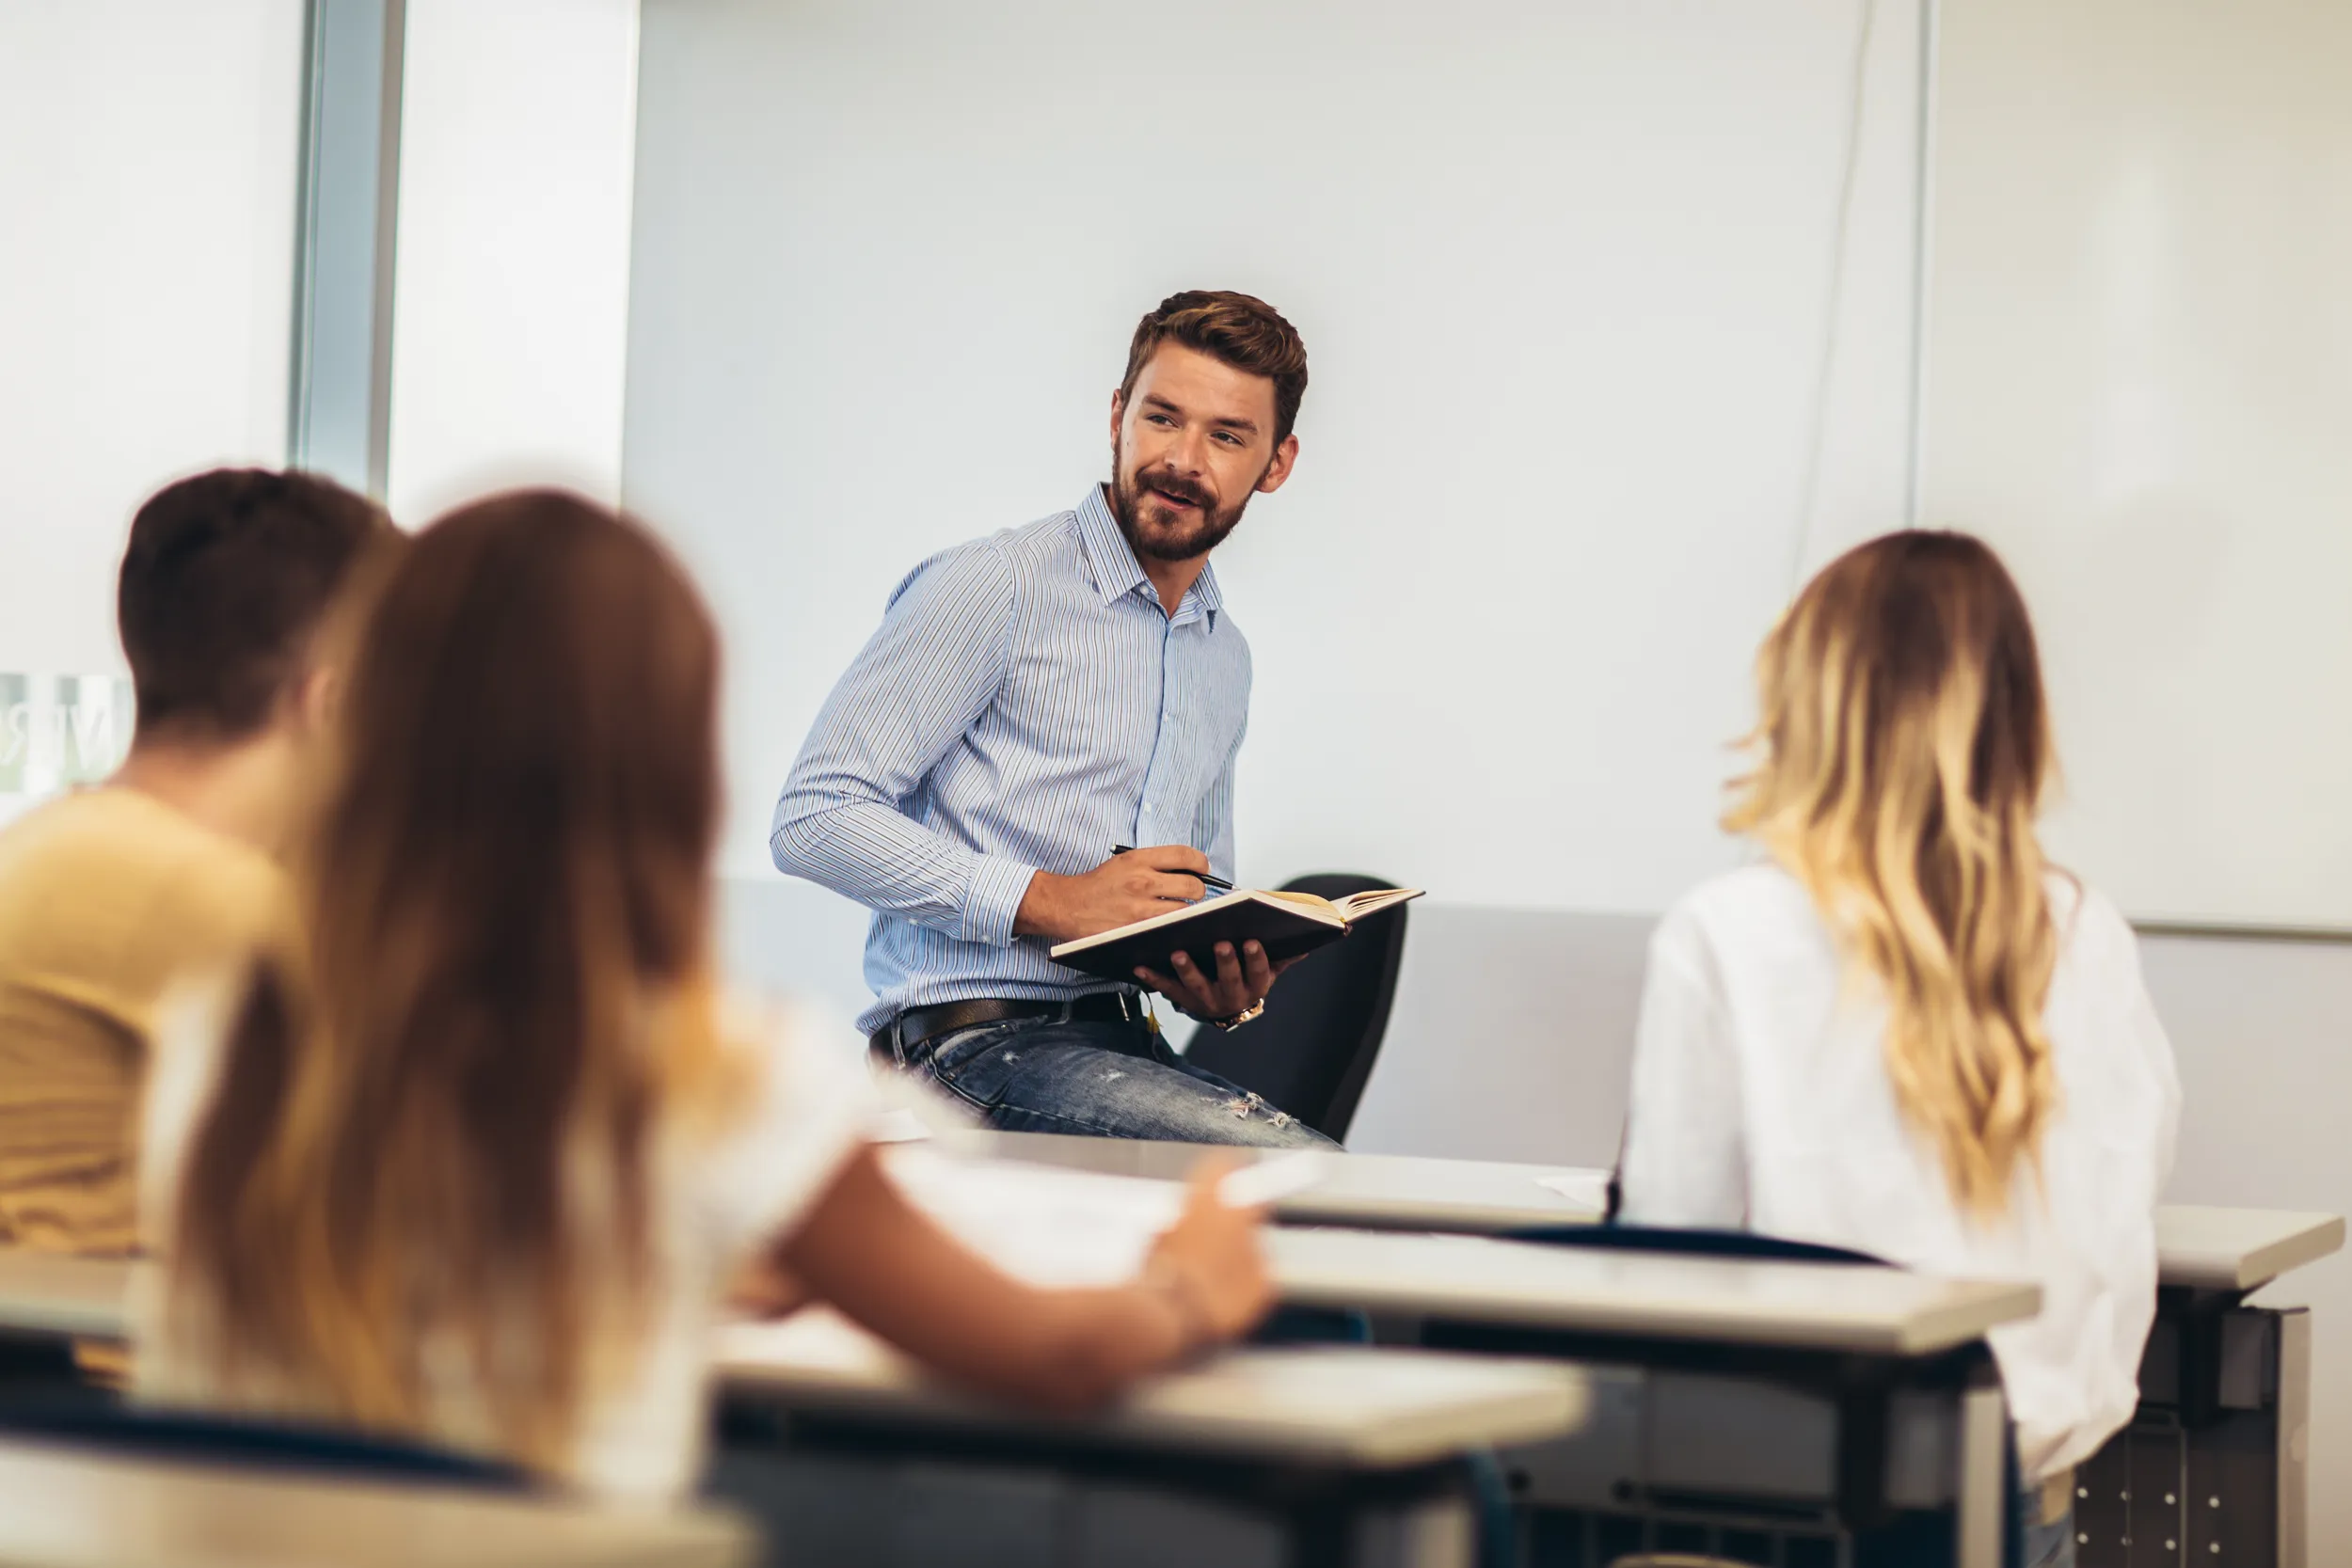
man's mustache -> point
(1178, 487)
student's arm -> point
(1685, 1159)
(919, 684)
(885, 1265)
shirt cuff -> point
(992, 898)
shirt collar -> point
(1117, 571)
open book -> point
(1285, 923)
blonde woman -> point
(471, 1155)
(1904, 1031)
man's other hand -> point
(1240, 983)
(1123, 890)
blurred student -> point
(109, 893)
(1906, 1033)
(471, 1154)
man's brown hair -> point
(227, 577)
(1239, 330)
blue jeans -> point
(2050, 1546)
(1111, 1079)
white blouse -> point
(1760, 1101)
(718, 1200)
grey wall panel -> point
(1510, 1038)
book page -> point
(1295, 903)
(1357, 905)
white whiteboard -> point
(1563, 272)
(2139, 387)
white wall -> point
(1563, 274)
(511, 284)
(145, 284)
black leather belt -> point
(912, 1028)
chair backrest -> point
(155, 1432)
(1312, 1051)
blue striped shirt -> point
(1025, 706)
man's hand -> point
(1238, 985)
(1123, 890)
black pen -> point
(1218, 883)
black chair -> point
(1312, 1050)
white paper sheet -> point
(1048, 1227)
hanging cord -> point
(1834, 310)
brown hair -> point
(1906, 752)
(1237, 329)
(438, 1101)
(225, 582)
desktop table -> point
(62, 1507)
(44, 1296)
(1366, 1192)
(2214, 1466)
(1330, 1454)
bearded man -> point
(1035, 699)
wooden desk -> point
(2225, 1401)
(1332, 1454)
(1862, 1311)
(50, 1296)
(2239, 1249)
(67, 1508)
(1381, 1192)
(1334, 1404)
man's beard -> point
(1130, 495)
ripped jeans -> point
(1109, 1079)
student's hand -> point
(1240, 983)
(1124, 889)
(1209, 1263)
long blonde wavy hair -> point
(432, 1151)
(1903, 751)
